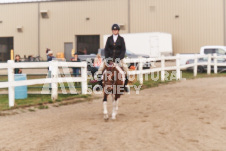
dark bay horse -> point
(113, 84)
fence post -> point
(140, 70)
(54, 77)
(84, 77)
(215, 63)
(11, 90)
(162, 68)
(178, 76)
(209, 64)
(195, 65)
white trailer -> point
(153, 44)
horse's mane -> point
(118, 69)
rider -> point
(115, 49)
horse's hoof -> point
(113, 117)
(105, 116)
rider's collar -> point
(115, 37)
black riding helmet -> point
(115, 27)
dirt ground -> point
(184, 116)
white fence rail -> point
(54, 79)
(54, 65)
(140, 61)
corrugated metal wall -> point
(25, 15)
(198, 22)
(192, 23)
(67, 19)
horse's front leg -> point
(105, 107)
(117, 102)
(115, 106)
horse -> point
(113, 84)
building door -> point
(87, 44)
(6, 44)
(67, 50)
(154, 42)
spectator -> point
(50, 58)
(76, 70)
(85, 51)
(97, 61)
(47, 50)
(30, 58)
(16, 70)
(96, 64)
(82, 51)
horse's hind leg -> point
(105, 107)
(105, 110)
(117, 102)
(115, 106)
(117, 96)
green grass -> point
(38, 87)
(36, 99)
(43, 107)
(185, 74)
(3, 78)
(32, 99)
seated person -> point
(97, 61)
(16, 70)
(96, 64)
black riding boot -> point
(100, 83)
(125, 85)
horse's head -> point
(109, 76)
